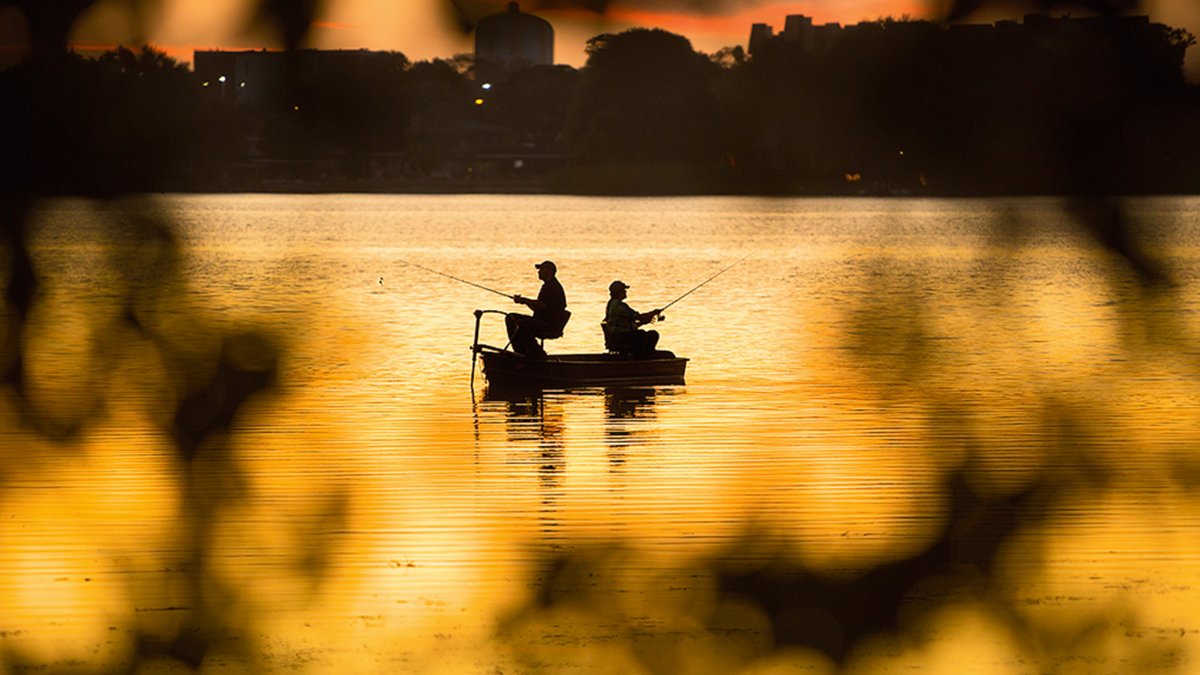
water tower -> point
(510, 41)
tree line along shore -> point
(898, 107)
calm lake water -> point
(371, 513)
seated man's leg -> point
(520, 334)
(524, 343)
(624, 343)
(651, 341)
(643, 343)
(512, 321)
(536, 328)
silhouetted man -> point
(549, 314)
(622, 321)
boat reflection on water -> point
(524, 412)
(535, 415)
(526, 407)
(630, 414)
(631, 402)
(534, 430)
(549, 445)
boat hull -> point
(506, 369)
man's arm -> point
(647, 317)
(531, 303)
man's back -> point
(555, 299)
(619, 316)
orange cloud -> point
(89, 48)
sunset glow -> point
(429, 29)
(426, 30)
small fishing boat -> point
(507, 369)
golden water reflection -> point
(898, 447)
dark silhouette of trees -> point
(1048, 106)
(437, 98)
(535, 103)
(780, 120)
(348, 103)
(339, 112)
(130, 120)
(729, 57)
(646, 96)
(891, 105)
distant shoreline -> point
(494, 188)
(661, 179)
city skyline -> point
(427, 30)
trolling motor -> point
(476, 348)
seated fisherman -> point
(622, 321)
(550, 314)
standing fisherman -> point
(550, 314)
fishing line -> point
(451, 276)
(697, 287)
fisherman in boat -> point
(621, 332)
(550, 314)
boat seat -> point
(614, 344)
(563, 327)
(624, 348)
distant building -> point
(247, 77)
(800, 29)
(261, 77)
(760, 35)
(510, 41)
(797, 30)
(811, 39)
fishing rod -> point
(697, 287)
(451, 276)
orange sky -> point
(423, 29)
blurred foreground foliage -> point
(133, 123)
